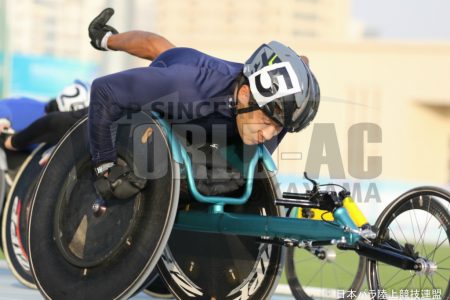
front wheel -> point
(418, 223)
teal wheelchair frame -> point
(218, 221)
(342, 231)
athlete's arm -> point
(135, 89)
(146, 45)
(148, 88)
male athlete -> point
(274, 92)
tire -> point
(3, 184)
(15, 217)
(76, 253)
(3, 188)
(337, 273)
(199, 265)
(421, 218)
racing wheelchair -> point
(230, 246)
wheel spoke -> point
(392, 277)
(315, 275)
(345, 270)
(336, 277)
(401, 230)
(432, 284)
(412, 224)
(397, 282)
(440, 244)
(417, 242)
(395, 236)
(437, 241)
(410, 281)
(422, 235)
(446, 279)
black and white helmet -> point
(73, 97)
(283, 86)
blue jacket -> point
(22, 111)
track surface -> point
(11, 289)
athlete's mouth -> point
(260, 139)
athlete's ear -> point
(243, 95)
(305, 59)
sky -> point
(405, 19)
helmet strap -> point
(250, 108)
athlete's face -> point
(254, 127)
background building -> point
(50, 27)
(240, 21)
(400, 86)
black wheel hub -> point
(84, 237)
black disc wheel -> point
(16, 216)
(215, 266)
(82, 247)
(417, 224)
(324, 272)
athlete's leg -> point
(48, 129)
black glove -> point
(98, 29)
(121, 183)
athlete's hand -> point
(99, 32)
(119, 182)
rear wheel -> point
(156, 287)
(16, 216)
(418, 224)
(215, 266)
(81, 248)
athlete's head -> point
(276, 90)
(73, 97)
